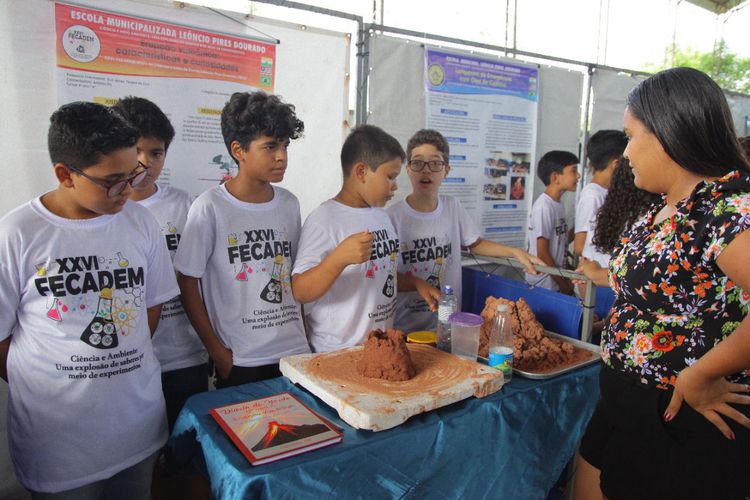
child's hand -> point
(429, 293)
(355, 249)
(567, 287)
(588, 268)
(527, 260)
(223, 361)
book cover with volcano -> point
(274, 427)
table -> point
(514, 443)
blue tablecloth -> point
(513, 444)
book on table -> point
(275, 427)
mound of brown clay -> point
(533, 350)
(385, 356)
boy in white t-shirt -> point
(239, 244)
(346, 267)
(83, 274)
(432, 228)
(603, 150)
(548, 230)
(181, 354)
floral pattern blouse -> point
(673, 303)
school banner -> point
(487, 111)
(188, 72)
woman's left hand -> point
(710, 397)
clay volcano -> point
(385, 356)
(533, 350)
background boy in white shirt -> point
(181, 354)
(603, 150)
(83, 274)
(548, 231)
(432, 228)
(239, 244)
(348, 249)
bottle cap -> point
(448, 290)
(423, 337)
(501, 308)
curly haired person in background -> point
(622, 207)
(672, 419)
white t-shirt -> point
(243, 253)
(591, 200)
(430, 248)
(85, 386)
(547, 220)
(175, 342)
(363, 297)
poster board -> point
(311, 71)
(486, 108)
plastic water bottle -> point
(446, 307)
(501, 343)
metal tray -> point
(546, 375)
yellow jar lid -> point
(424, 337)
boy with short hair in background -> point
(180, 352)
(83, 274)
(548, 230)
(239, 245)
(432, 228)
(346, 264)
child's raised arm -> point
(315, 282)
(493, 249)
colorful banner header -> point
(105, 42)
(461, 74)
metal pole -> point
(363, 72)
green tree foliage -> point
(727, 69)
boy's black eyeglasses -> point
(434, 165)
(117, 187)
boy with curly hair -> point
(239, 244)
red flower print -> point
(662, 341)
(667, 289)
(700, 288)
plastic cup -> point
(465, 330)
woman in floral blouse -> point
(672, 420)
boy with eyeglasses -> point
(432, 228)
(181, 354)
(83, 274)
(346, 267)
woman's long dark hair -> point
(688, 113)
(623, 205)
